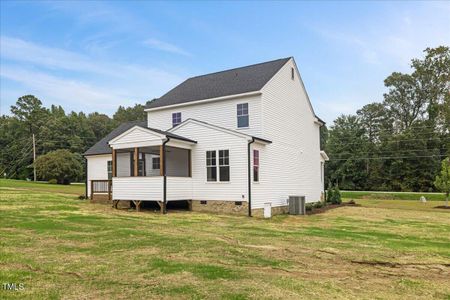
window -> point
(256, 165)
(203, 202)
(176, 119)
(242, 115)
(109, 169)
(292, 73)
(238, 203)
(141, 167)
(155, 163)
(224, 165)
(211, 166)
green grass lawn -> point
(73, 189)
(61, 247)
(392, 195)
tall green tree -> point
(30, 111)
(442, 181)
(135, 113)
(347, 144)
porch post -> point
(136, 161)
(161, 161)
(114, 163)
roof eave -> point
(253, 93)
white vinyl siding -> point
(179, 188)
(294, 152)
(212, 139)
(97, 168)
(138, 188)
(220, 113)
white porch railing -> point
(151, 188)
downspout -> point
(164, 175)
(249, 178)
(86, 180)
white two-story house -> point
(235, 141)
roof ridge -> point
(243, 67)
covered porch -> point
(149, 165)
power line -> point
(391, 141)
(386, 157)
(388, 152)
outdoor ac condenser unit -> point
(297, 205)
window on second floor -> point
(176, 119)
(242, 115)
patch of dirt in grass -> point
(329, 207)
(442, 207)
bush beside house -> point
(61, 166)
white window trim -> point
(217, 166)
(258, 165)
(246, 115)
(180, 121)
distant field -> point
(62, 247)
(73, 189)
(392, 195)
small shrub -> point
(337, 195)
(308, 207)
(81, 197)
(352, 202)
(53, 181)
(318, 205)
(329, 195)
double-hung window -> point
(155, 163)
(242, 115)
(109, 169)
(218, 159)
(176, 119)
(211, 166)
(224, 165)
(256, 165)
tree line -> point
(397, 144)
(54, 129)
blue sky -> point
(95, 56)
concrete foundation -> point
(224, 207)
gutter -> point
(164, 175)
(249, 178)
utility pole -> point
(34, 158)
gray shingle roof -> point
(102, 146)
(230, 82)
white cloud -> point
(402, 36)
(57, 75)
(68, 91)
(164, 46)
